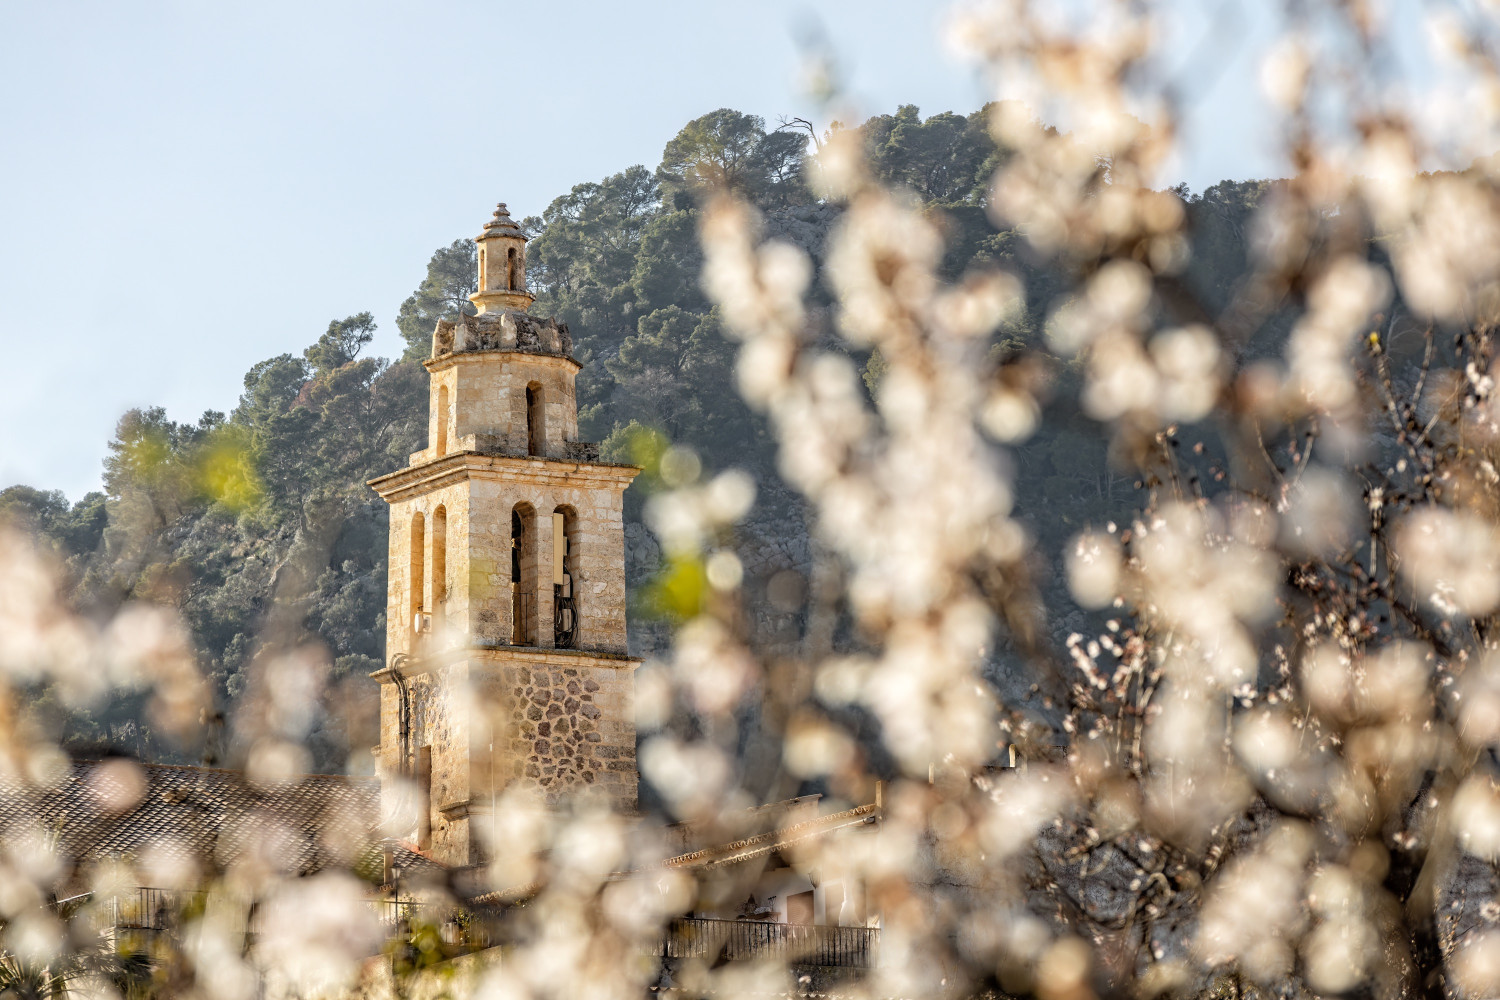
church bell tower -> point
(506, 658)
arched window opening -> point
(418, 578)
(523, 567)
(442, 421)
(512, 277)
(439, 586)
(564, 592)
(535, 431)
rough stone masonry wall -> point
(561, 728)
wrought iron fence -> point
(733, 940)
(151, 911)
(455, 926)
(148, 909)
(157, 910)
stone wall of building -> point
(441, 726)
(559, 723)
(597, 557)
(486, 403)
(472, 603)
(446, 598)
(439, 722)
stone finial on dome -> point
(501, 225)
(502, 265)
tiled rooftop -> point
(214, 818)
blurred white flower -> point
(1187, 360)
(1451, 559)
(1094, 568)
(1476, 816)
(315, 931)
(1321, 513)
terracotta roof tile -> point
(120, 807)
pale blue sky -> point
(187, 188)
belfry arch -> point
(564, 584)
(523, 575)
(416, 576)
(438, 587)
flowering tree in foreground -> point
(1270, 769)
(1280, 773)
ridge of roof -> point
(751, 812)
(204, 769)
(786, 834)
(736, 851)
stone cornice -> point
(451, 358)
(502, 298)
(558, 657)
(532, 470)
(427, 662)
(457, 809)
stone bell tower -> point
(505, 611)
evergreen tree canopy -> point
(258, 525)
(946, 159)
(452, 276)
(731, 151)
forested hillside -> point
(255, 522)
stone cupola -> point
(502, 266)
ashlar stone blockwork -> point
(506, 542)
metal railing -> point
(152, 909)
(158, 910)
(733, 940)
(455, 926)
